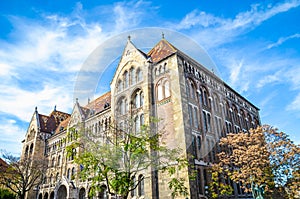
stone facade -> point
(197, 109)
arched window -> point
(120, 86)
(103, 192)
(73, 172)
(58, 160)
(31, 148)
(159, 91)
(193, 145)
(199, 142)
(122, 106)
(141, 191)
(139, 75)
(26, 151)
(196, 121)
(56, 178)
(192, 90)
(133, 192)
(132, 76)
(205, 101)
(163, 89)
(243, 120)
(53, 162)
(50, 179)
(206, 121)
(156, 71)
(227, 110)
(142, 120)
(138, 98)
(73, 154)
(216, 104)
(69, 174)
(126, 79)
(137, 124)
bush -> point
(6, 194)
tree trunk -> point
(22, 196)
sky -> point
(255, 46)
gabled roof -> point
(161, 50)
(101, 103)
(63, 125)
(3, 164)
(49, 123)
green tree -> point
(22, 175)
(119, 155)
(262, 158)
(6, 194)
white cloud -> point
(199, 18)
(212, 31)
(295, 105)
(282, 40)
(21, 103)
(38, 67)
(11, 136)
(269, 79)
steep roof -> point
(101, 103)
(3, 164)
(49, 123)
(63, 125)
(161, 50)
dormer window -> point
(106, 105)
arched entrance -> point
(103, 192)
(62, 192)
(46, 195)
(52, 195)
(40, 196)
(82, 193)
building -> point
(197, 108)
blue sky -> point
(43, 44)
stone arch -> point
(52, 195)
(82, 193)
(62, 192)
(46, 195)
(103, 192)
(137, 98)
(31, 148)
(122, 105)
(40, 196)
(162, 89)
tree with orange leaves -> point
(262, 160)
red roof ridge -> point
(98, 104)
(162, 50)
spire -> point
(55, 108)
(35, 109)
(129, 38)
(162, 35)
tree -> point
(22, 175)
(6, 194)
(262, 160)
(121, 156)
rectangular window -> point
(191, 115)
(204, 122)
(196, 117)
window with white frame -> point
(163, 89)
(138, 99)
